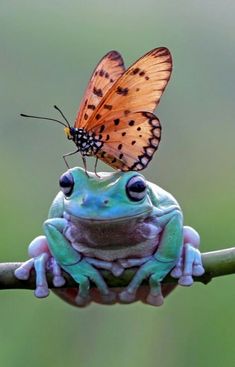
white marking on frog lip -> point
(66, 216)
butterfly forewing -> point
(129, 142)
(109, 69)
(138, 89)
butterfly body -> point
(86, 142)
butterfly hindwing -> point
(130, 142)
(109, 69)
(138, 89)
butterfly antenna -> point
(42, 118)
(58, 109)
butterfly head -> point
(69, 132)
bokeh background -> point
(48, 50)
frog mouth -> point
(73, 218)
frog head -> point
(111, 196)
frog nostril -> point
(106, 201)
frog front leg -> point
(72, 262)
(162, 262)
(42, 261)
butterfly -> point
(115, 122)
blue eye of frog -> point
(66, 183)
(136, 188)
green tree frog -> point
(115, 221)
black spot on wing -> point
(122, 91)
(102, 128)
(98, 92)
(91, 107)
(135, 71)
(108, 107)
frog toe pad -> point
(58, 281)
(155, 300)
(41, 291)
(186, 280)
(21, 274)
(127, 297)
(82, 301)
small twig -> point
(216, 263)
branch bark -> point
(216, 263)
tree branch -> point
(216, 263)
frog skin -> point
(114, 221)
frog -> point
(112, 221)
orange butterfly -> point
(115, 122)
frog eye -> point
(136, 188)
(66, 183)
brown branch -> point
(216, 263)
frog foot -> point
(189, 265)
(154, 270)
(83, 272)
(42, 262)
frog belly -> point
(113, 240)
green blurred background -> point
(48, 50)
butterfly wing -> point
(109, 69)
(138, 89)
(128, 130)
(132, 146)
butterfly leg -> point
(85, 165)
(95, 168)
(68, 154)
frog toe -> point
(155, 300)
(155, 297)
(23, 272)
(41, 291)
(109, 298)
(176, 272)
(185, 280)
(198, 270)
(191, 266)
(82, 301)
(58, 281)
(127, 297)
